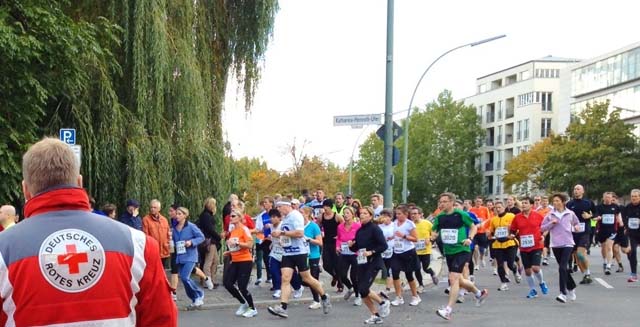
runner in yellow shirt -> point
(423, 246)
(504, 246)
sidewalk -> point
(220, 298)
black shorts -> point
(602, 236)
(173, 264)
(582, 240)
(299, 261)
(366, 274)
(532, 258)
(481, 240)
(405, 261)
(547, 240)
(456, 262)
(166, 262)
(621, 239)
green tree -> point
(368, 170)
(598, 151)
(528, 167)
(443, 148)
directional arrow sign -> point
(397, 132)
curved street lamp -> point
(406, 122)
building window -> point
(498, 184)
(499, 141)
(545, 127)
(519, 131)
(525, 99)
(545, 99)
(525, 75)
(525, 134)
(500, 110)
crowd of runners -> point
(295, 239)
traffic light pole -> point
(388, 112)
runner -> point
(608, 216)
(386, 225)
(187, 236)
(275, 260)
(559, 222)
(584, 209)
(369, 244)
(526, 226)
(423, 247)
(481, 240)
(313, 235)
(404, 256)
(329, 222)
(347, 259)
(504, 248)
(543, 209)
(631, 218)
(621, 242)
(238, 272)
(452, 224)
(294, 257)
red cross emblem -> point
(73, 259)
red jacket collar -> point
(68, 198)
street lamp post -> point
(406, 122)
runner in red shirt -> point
(526, 226)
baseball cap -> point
(295, 201)
(133, 203)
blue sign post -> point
(68, 135)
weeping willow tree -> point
(148, 103)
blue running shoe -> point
(532, 294)
(544, 288)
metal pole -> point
(405, 155)
(388, 112)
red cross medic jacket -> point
(66, 266)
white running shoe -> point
(208, 283)
(398, 301)
(315, 305)
(276, 294)
(571, 295)
(373, 320)
(298, 293)
(561, 298)
(242, 309)
(503, 287)
(384, 309)
(415, 300)
(250, 313)
(357, 301)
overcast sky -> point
(327, 58)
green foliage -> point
(443, 147)
(142, 81)
(368, 171)
(528, 167)
(598, 151)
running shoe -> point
(385, 308)
(276, 294)
(278, 311)
(586, 280)
(298, 293)
(315, 305)
(503, 287)
(571, 295)
(632, 279)
(444, 313)
(561, 298)
(242, 309)
(415, 300)
(348, 294)
(483, 297)
(208, 283)
(250, 313)
(544, 288)
(326, 305)
(532, 294)
(398, 301)
(373, 320)
(357, 301)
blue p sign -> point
(68, 135)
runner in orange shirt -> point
(481, 240)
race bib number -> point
(344, 247)
(421, 245)
(277, 253)
(579, 228)
(634, 223)
(398, 245)
(387, 253)
(527, 241)
(181, 248)
(449, 236)
(502, 232)
(608, 219)
(234, 244)
(361, 259)
(285, 241)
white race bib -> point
(527, 241)
(501, 232)
(608, 219)
(361, 259)
(387, 253)
(634, 223)
(277, 253)
(181, 248)
(285, 241)
(579, 228)
(449, 236)
(398, 245)
(234, 247)
(344, 247)
(421, 245)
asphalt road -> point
(596, 305)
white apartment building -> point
(518, 107)
(614, 76)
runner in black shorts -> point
(609, 218)
(584, 210)
(631, 219)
